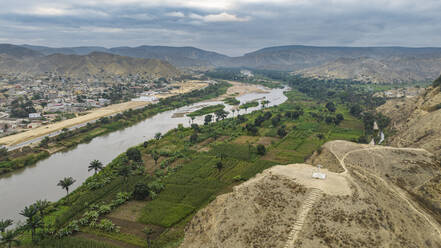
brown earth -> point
(416, 121)
(381, 197)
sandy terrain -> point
(367, 204)
(93, 115)
(239, 89)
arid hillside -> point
(373, 196)
(14, 59)
(416, 121)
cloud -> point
(221, 17)
(175, 14)
(229, 26)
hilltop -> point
(364, 202)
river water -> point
(26, 186)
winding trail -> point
(312, 198)
(399, 192)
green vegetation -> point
(179, 172)
(72, 242)
(11, 164)
(232, 101)
(69, 139)
(249, 105)
(207, 110)
(258, 78)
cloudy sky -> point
(232, 27)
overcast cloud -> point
(230, 26)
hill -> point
(370, 64)
(177, 56)
(371, 203)
(20, 60)
(416, 121)
(383, 70)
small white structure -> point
(318, 174)
(34, 115)
(375, 127)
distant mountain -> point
(17, 51)
(177, 56)
(66, 50)
(370, 64)
(293, 58)
(95, 63)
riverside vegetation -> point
(13, 160)
(147, 195)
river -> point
(24, 187)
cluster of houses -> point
(54, 97)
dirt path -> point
(397, 191)
(313, 196)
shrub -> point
(141, 191)
(134, 154)
(261, 150)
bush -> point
(261, 150)
(141, 191)
(134, 154)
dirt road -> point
(396, 190)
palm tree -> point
(5, 224)
(219, 165)
(41, 205)
(95, 165)
(33, 220)
(66, 183)
(124, 171)
(8, 238)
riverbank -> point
(107, 124)
(187, 174)
(34, 134)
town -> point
(27, 102)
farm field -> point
(187, 168)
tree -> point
(158, 136)
(330, 106)
(66, 183)
(356, 110)
(141, 191)
(3, 152)
(220, 114)
(33, 220)
(148, 231)
(5, 224)
(134, 154)
(9, 238)
(261, 150)
(219, 165)
(155, 156)
(208, 119)
(95, 165)
(124, 171)
(281, 132)
(194, 137)
(41, 205)
(44, 142)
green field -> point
(206, 110)
(186, 177)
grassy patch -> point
(207, 110)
